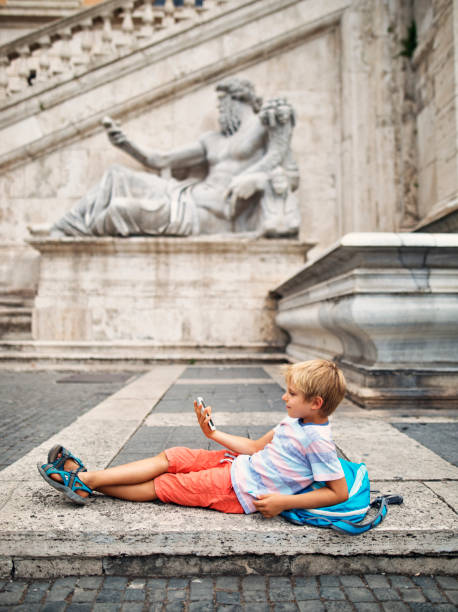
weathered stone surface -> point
(6, 567)
(111, 527)
(39, 527)
(387, 452)
(447, 491)
(49, 568)
(186, 292)
(385, 306)
(435, 59)
(224, 418)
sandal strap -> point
(69, 479)
(59, 462)
(75, 483)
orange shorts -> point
(198, 477)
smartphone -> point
(201, 403)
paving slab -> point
(41, 533)
(387, 452)
(447, 491)
(440, 437)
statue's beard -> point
(229, 118)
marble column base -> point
(385, 306)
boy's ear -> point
(317, 402)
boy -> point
(263, 475)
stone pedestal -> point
(385, 306)
(166, 294)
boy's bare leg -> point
(138, 493)
(133, 481)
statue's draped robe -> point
(127, 202)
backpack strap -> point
(349, 528)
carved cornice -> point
(224, 243)
(365, 251)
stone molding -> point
(224, 243)
(360, 249)
(385, 306)
(21, 9)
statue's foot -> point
(56, 233)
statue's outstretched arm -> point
(184, 157)
(278, 118)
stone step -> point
(15, 320)
(19, 353)
(42, 535)
(11, 302)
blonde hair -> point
(318, 377)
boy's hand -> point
(270, 505)
(203, 418)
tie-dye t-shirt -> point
(299, 454)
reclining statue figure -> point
(244, 161)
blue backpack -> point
(346, 517)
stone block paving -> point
(364, 593)
(223, 395)
(357, 593)
(239, 397)
(36, 405)
(149, 441)
(439, 437)
(224, 372)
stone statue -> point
(279, 205)
(238, 193)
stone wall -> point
(19, 17)
(362, 109)
(436, 94)
(53, 149)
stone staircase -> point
(98, 35)
(15, 317)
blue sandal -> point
(69, 485)
(59, 462)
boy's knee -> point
(162, 457)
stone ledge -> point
(42, 534)
(221, 243)
(364, 250)
(238, 565)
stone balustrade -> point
(98, 35)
